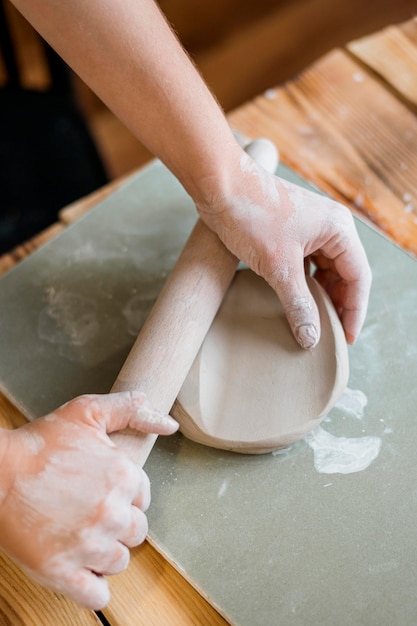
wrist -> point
(214, 175)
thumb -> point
(300, 309)
(116, 411)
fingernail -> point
(307, 336)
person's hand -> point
(276, 228)
(71, 503)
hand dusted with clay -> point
(71, 502)
(276, 227)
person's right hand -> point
(71, 502)
(277, 228)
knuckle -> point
(341, 213)
(341, 224)
(299, 309)
(121, 560)
(140, 529)
(345, 214)
(273, 267)
(86, 405)
(145, 483)
(96, 546)
(87, 400)
(113, 518)
(124, 471)
(300, 304)
(144, 491)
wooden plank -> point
(10, 259)
(152, 587)
(24, 603)
(392, 53)
(76, 209)
(10, 416)
(342, 130)
(282, 42)
(409, 28)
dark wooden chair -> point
(47, 155)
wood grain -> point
(152, 592)
(9, 260)
(392, 54)
(24, 603)
(241, 48)
(10, 416)
(344, 131)
(284, 40)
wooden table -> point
(347, 124)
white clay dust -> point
(344, 455)
(68, 318)
(353, 403)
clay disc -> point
(251, 388)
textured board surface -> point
(273, 540)
(269, 539)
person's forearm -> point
(126, 52)
(128, 55)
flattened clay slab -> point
(252, 389)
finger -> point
(352, 265)
(130, 484)
(87, 589)
(138, 530)
(116, 411)
(112, 562)
(354, 310)
(328, 280)
(146, 419)
(142, 497)
(354, 303)
(299, 307)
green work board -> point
(272, 539)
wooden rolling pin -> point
(174, 331)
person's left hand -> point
(71, 502)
